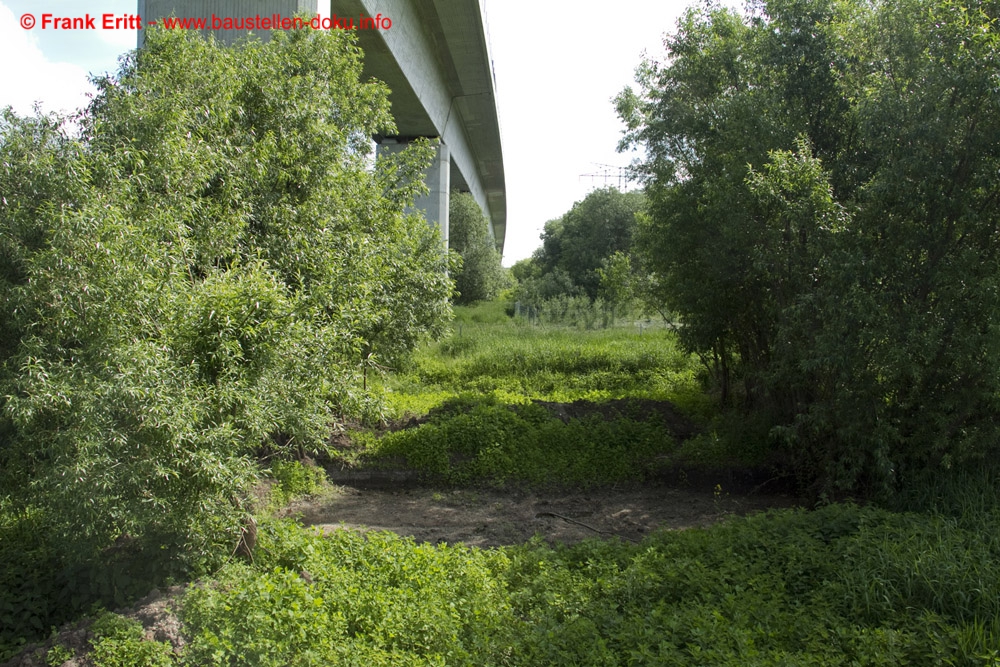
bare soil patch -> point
(489, 518)
(398, 500)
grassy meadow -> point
(513, 361)
(492, 398)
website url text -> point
(257, 22)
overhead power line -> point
(609, 174)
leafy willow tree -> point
(618, 283)
(823, 182)
(481, 276)
(536, 282)
(197, 274)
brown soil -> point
(488, 518)
(393, 500)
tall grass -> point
(514, 361)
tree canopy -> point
(594, 229)
(577, 247)
(196, 275)
(481, 276)
(823, 182)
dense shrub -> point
(497, 444)
(200, 272)
(821, 180)
(118, 642)
(578, 246)
(481, 277)
(821, 217)
(350, 599)
(294, 479)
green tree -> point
(618, 282)
(822, 179)
(481, 276)
(525, 269)
(197, 275)
(593, 230)
(577, 246)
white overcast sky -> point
(558, 64)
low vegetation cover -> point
(485, 389)
(491, 354)
(488, 442)
(843, 585)
(119, 642)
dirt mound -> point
(156, 612)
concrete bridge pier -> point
(435, 59)
(434, 204)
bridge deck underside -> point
(435, 60)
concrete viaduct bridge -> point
(436, 60)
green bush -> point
(118, 642)
(822, 219)
(476, 440)
(204, 269)
(349, 599)
(57, 655)
(295, 479)
(481, 277)
(31, 593)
